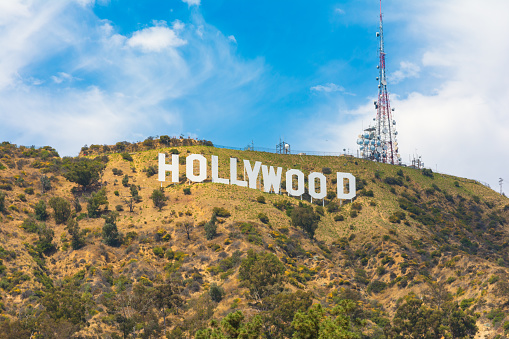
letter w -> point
(271, 179)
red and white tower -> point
(379, 143)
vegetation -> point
(277, 267)
(61, 209)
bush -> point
(61, 209)
(427, 172)
(158, 198)
(30, 225)
(393, 181)
(211, 228)
(84, 172)
(77, 235)
(110, 233)
(221, 212)
(150, 171)
(320, 210)
(261, 199)
(263, 218)
(40, 211)
(326, 170)
(125, 180)
(377, 286)
(119, 208)
(187, 190)
(127, 156)
(339, 218)
(29, 190)
(216, 293)
(353, 214)
(305, 218)
(158, 251)
(95, 202)
(332, 207)
(262, 274)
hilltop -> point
(86, 252)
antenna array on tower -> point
(379, 142)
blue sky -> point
(97, 72)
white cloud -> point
(61, 77)
(460, 125)
(406, 70)
(327, 88)
(339, 11)
(136, 94)
(192, 2)
(232, 39)
(155, 39)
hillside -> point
(415, 250)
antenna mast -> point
(379, 143)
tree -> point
(187, 226)
(281, 309)
(85, 172)
(320, 323)
(45, 243)
(262, 273)
(211, 227)
(45, 184)
(158, 198)
(414, 319)
(216, 292)
(40, 211)
(306, 218)
(167, 297)
(125, 180)
(164, 139)
(61, 209)
(95, 202)
(77, 236)
(110, 233)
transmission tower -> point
(379, 142)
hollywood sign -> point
(271, 176)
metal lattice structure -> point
(379, 142)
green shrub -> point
(261, 199)
(127, 156)
(110, 233)
(40, 211)
(377, 286)
(393, 181)
(211, 227)
(320, 210)
(125, 180)
(339, 218)
(305, 218)
(216, 293)
(427, 172)
(263, 218)
(158, 251)
(29, 190)
(353, 214)
(61, 209)
(158, 198)
(221, 212)
(187, 190)
(96, 200)
(332, 207)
